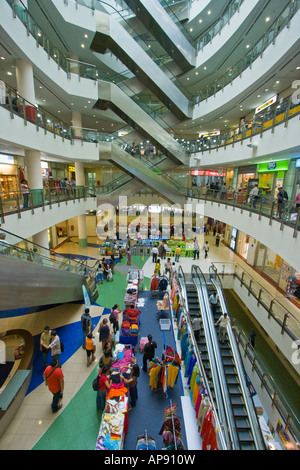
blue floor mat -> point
(148, 415)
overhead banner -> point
(266, 104)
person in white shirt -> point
(213, 302)
(196, 326)
(54, 346)
(254, 195)
(154, 254)
(223, 320)
(206, 249)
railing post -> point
(18, 208)
(1, 211)
(284, 323)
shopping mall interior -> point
(150, 160)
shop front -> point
(271, 176)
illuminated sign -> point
(280, 165)
(266, 104)
(71, 168)
(209, 134)
(207, 173)
(6, 159)
(298, 163)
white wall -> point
(280, 241)
(29, 223)
(282, 144)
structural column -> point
(79, 177)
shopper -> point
(157, 268)
(213, 302)
(54, 379)
(128, 253)
(149, 352)
(86, 324)
(114, 317)
(132, 383)
(282, 200)
(196, 249)
(251, 339)
(25, 193)
(168, 267)
(206, 249)
(90, 347)
(104, 385)
(218, 239)
(223, 320)
(54, 346)
(105, 360)
(196, 323)
(177, 253)
(154, 253)
(104, 332)
(46, 339)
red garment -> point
(154, 283)
(208, 432)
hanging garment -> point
(172, 375)
(154, 283)
(209, 434)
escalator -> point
(245, 420)
(235, 393)
(193, 309)
(32, 276)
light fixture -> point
(209, 12)
(267, 19)
(200, 20)
(82, 45)
(247, 46)
(9, 73)
(86, 36)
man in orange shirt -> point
(54, 379)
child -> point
(109, 275)
(100, 274)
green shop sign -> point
(280, 165)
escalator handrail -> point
(180, 277)
(215, 361)
(77, 264)
(255, 428)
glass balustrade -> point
(278, 400)
(19, 248)
(278, 312)
(268, 38)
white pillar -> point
(77, 124)
(41, 238)
(25, 82)
(79, 177)
(34, 171)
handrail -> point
(278, 400)
(223, 434)
(214, 355)
(261, 45)
(282, 315)
(259, 444)
(9, 243)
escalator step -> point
(228, 362)
(248, 446)
(232, 380)
(237, 401)
(242, 424)
(234, 390)
(230, 370)
(239, 411)
(245, 436)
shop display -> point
(91, 283)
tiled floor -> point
(34, 425)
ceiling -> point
(69, 39)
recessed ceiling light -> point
(191, 29)
(277, 81)
(297, 68)
(209, 12)
(44, 100)
(196, 73)
(9, 73)
(82, 45)
(258, 96)
(267, 89)
(248, 45)
(200, 20)
(267, 19)
(2, 58)
(187, 78)
(86, 36)
(204, 68)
